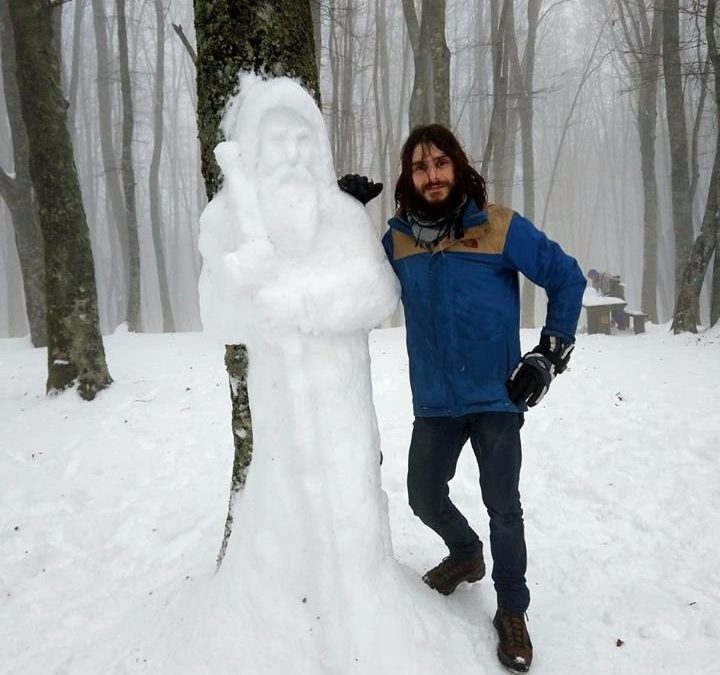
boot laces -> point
(517, 628)
(444, 569)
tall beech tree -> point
(678, 135)
(128, 174)
(154, 175)
(430, 99)
(271, 38)
(641, 24)
(708, 240)
(17, 191)
(75, 348)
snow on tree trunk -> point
(75, 348)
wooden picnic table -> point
(599, 310)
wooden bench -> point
(638, 320)
(599, 313)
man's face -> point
(433, 173)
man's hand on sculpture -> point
(360, 187)
(531, 378)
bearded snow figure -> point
(284, 249)
(294, 269)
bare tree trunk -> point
(715, 290)
(686, 316)
(347, 156)
(677, 130)
(128, 175)
(527, 72)
(18, 192)
(315, 9)
(642, 40)
(430, 99)
(114, 205)
(154, 176)
(432, 30)
(501, 128)
(647, 125)
(75, 348)
(75, 68)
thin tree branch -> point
(186, 42)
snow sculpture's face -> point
(287, 170)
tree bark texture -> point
(75, 348)
(501, 136)
(430, 99)
(154, 175)
(128, 175)
(677, 130)
(74, 79)
(270, 37)
(686, 317)
(267, 37)
(18, 193)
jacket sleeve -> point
(541, 260)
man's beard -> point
(437, 210)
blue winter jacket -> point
(462, 306)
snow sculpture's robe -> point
(294, 269)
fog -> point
(586, 145)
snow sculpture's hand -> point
(278, 307)
(250, 263)
(531, 378)
(360, 187)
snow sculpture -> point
(294, 269)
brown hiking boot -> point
(514, 650)
(451, 572)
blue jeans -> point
(434, 450)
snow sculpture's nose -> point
(292, 151)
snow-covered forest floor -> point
(109, 510)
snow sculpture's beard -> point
(290, 206)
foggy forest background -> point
(551, 99)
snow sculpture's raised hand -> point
(285, 250)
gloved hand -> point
(360, 187)
(531, 378)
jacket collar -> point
(471, 217)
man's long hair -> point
(467, 180)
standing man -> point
(457, 258)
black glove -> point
(530, 380)
(360, 187)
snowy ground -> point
(111, 510)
